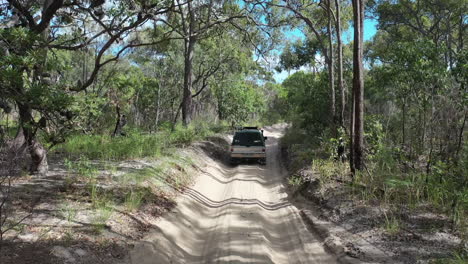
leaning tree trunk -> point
(187, 100)
(358, 84)
(26, 136)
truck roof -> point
(248, 137)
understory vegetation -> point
(138, 144)
(399, 187)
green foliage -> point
(298, 54)
(392, 224)
(107, 148)
(68, 211)
(458, 257)
(307, 100)
(329, 170)
(389, 181)
(134, 199)
(140, 176)
(295, 181)
(374, 134)
(240, 102)
(276, 104)
(102, 215)
(135, 144)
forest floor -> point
(94, 211)
(369, 231)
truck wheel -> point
(263, 161)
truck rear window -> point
(248, 139)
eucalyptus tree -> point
(222, 59)
(357, 114)
(193, 21)
(317, 17)
(31, 34)
(159, 99)
(418, 57)
(341, 85)
(235, 84)
(323, 22)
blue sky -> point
(370, 28)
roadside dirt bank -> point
(87, 211)
(365, 231)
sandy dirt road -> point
(234, 215)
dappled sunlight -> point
(235, 214)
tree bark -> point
(176, 117)
(39, 165)
(331, 70)
(403, 125)
(358, 84)
(188, 80)
(120, 123)
(27, 136)
(158, 107)
(460, 135)
(351, 134)
(340, 62)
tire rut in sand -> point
(235, 215)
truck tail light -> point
(263, 150)
(232, 149)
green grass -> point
(102, 215)
(458, 257)
(295, 180)
(387, 178)
(141, 175)
(136, 144)
(135, 199)
(129, 190)
(68, 211)
(392, 224)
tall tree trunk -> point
(449, 41)
(118, 125)
(158, 107)
(461, 32)
(340, 62)
(424, 126)
(358, 84)
(188, 80)
(331, 70)
(460, 135)
(174, 122)
(403, 128)
(351, 133)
